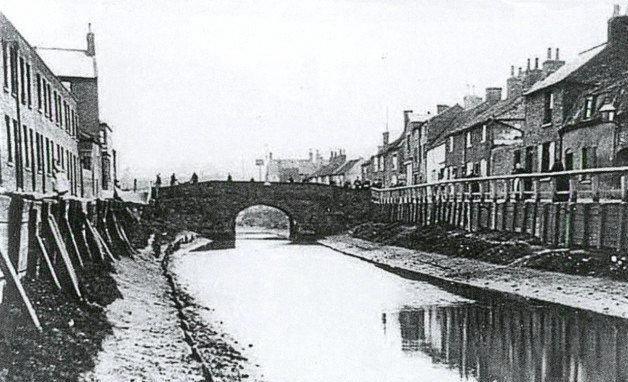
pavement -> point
(599, 295)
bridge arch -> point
(210, 208)
(292, 223)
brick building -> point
(77, 69)
(554, 104)
(282, 170)
(41, 121)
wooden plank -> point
(49, 267)
(65, 256)
(104, 244)
(13, 281)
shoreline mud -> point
(598, 295)
(221, 356)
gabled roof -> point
(567, 70)
(330, 169)
(504, 110)
(348, 165)
(68, 62)
(437, 127)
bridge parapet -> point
(210, 208)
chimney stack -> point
(557, 54)
(512, 71)
(91, 44)
(618, 28)
(441, 108)
(493, 95)
(536, 63)
(528, 69)
(385, 137)
(406, 117)
(311, 156)
(549, 53)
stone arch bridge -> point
(210, 208)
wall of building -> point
(57, 128)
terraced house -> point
(51, 118)
(40, 116)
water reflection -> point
(508, 343)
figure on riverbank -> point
(194, 178)
(158, 180)
(173, 179)
(229, 178)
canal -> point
(308, 313)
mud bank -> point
(221, 356)
(599, 295)
(147, 341)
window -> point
(48, 159)
(37, 151)
(49, 90)
(27, 162)
(87, 163)
(483, 167)
(395, 164)
(468, 138)
(568, 159)
(516, 158)
(476, 169)
(13, 62)
(5, 64)
(451, 143)
(547, 156)
(589, 107)
(408, 149)
(484, 133)
(22, 81)
(548, 107)
(39, 99)
(29, 96)
(589, 157)
(9, 141)
(56, 105)
(469, 169)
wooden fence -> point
(580, 208)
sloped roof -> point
(508, 109)
(347, 166)
(441, 124)
(567, 70)
(330, 169)
(610, 95)
(68, 63)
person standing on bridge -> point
(194, 178)
(173, 179)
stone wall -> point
(210, 208)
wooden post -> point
(624, 188)
(595, 188)
(622, 227)
(16, 288)
(600, 232)
(556, 221)
(72, 279)
(493, 205)
(585, 228)
(505, 205)
(537, 205)
(470, 218)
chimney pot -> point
(512, 71)
(91, 44)
(520, 71)
(536, 63)
(528, 65)
(616, 10)
(557, 54)
(549, 53)
(385, 136)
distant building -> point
(284, 170)
(327, 174)
(41, 121)
(77, 69)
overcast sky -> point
(217, 84)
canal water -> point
(312, 314)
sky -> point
(210, 86)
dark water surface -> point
(313, 314)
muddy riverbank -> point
(595, 294)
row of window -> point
(546, 154)
(17, 77)
(470, 169)
(39, 153)
(468, 138)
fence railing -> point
(595, 184)
(580, 208)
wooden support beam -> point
(13, 282)
(70, 239)
(65, 257)
(99, 239)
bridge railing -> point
(595, 184)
